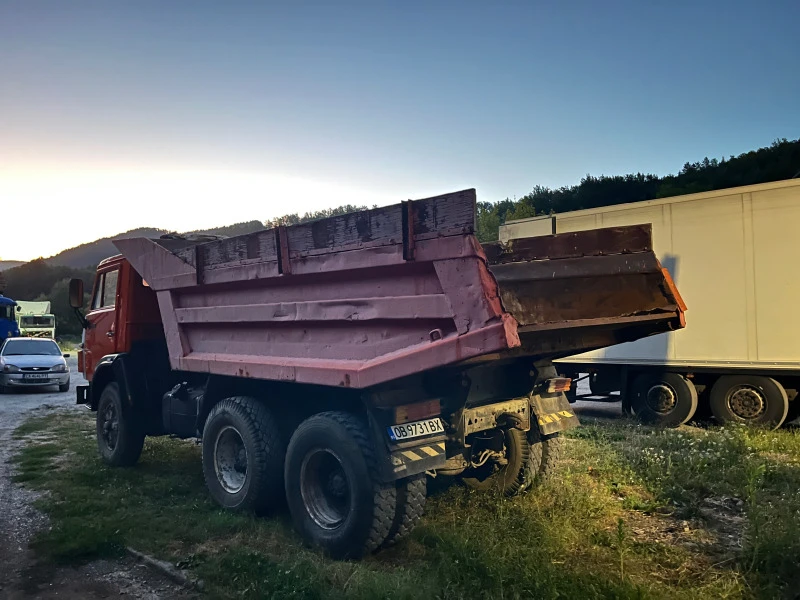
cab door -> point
(101, 336)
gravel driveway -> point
(21, 575)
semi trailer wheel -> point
(750, 399)
(411, 495)
(335, 496)
(664, 399)
(120, 436)
(243, 454)
(508, 478)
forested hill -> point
(88, 255)
(779, 161)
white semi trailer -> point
(733, 254)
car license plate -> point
(34, 376)
(406, 431)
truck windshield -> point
(31, 347)
(36, 321)
(6, 312)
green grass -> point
(626, 518)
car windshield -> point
(31, 347)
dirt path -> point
(21, 574)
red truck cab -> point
(123, 310)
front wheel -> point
(750, 399)
(337, 500)
(120, 436)
(63, 387)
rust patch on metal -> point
(282, 242)
(409, 250)
(593, 242)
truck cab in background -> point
(8, 321)
(35, 319)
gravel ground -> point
(21, 575)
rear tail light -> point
(557, 384)
(416, 411)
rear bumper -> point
(17, 380)
(82, 395)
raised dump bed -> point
(337, 362)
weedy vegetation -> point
(635, 512)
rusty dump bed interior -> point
(361, 299)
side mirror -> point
(19, 308)
(76, 293)
(66, 355)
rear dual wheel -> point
(334, 491)
(243, 455)
(532, 458)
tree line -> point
(780, 160)
(37, 280)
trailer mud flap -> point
(553, 413)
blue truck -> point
(8, 321)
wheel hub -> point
(230, 460)
(110, 427)
(325, 488)
(661, 398)
(746, 402)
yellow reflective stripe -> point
(441, 446)
(410, 455)
(429, 451)
(565, 413)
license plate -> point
(34, 376)
(406, 431)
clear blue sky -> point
(387, 100)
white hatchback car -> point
(32, 362)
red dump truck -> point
(336, 363)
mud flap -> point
(418, 459)
(553, 413)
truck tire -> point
(120, 435)
(794, 410)
(510, 478)
(663, 399)
(333, 489)
(411, 494)
(750, 399)
(243, 454)
(545, 455)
